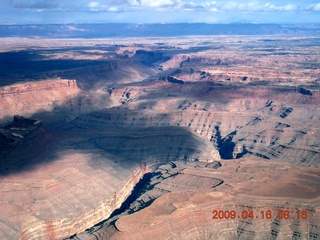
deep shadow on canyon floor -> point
(143, 138)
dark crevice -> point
(226, 148)
(286, 112)
(143, 184)
(269, 103)
(260, 155)
(136, 192)
(254, 121)
(305, 91)
(241, 154)
(225, 145)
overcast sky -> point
(158, 11)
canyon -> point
(115, 138)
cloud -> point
(208, 6)
(152, 4)
(256, 7)
(98, 7)
(148, 3)
(139, 3)
(113, 5)
(313, 7)
(94, 5)
(159, 3)
(317, 7)
(35, 4)
(287, 7)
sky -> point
(158, 11)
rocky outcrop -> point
(170, 143)
(70, 206)
(185, 200)
(56, 229)
(22, 122)
(232, 137)
(305, 91)
(32, 97)
(142, 145)
(53, 166)
(38, 86)
(187, 215)
(171, 79)
(150, 58)
(174, 61)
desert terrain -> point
(153, 138)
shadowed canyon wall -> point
(226, 123)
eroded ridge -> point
(197, 200)
(157, 134)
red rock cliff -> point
(31, 97)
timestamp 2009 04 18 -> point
(264, 214)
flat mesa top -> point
(119, 134)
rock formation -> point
(29, 98)
(181, 201)
(156, 134)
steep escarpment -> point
(234, 133)
(187, 216)
(52, 100)
(170, 143)
(162, 132)
(31, 97)
(56, 227)
(186, 200)
(262, 131)
(150, 58)
(112, 73)
(40, 170)
(62, 170)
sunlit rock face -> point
(184, 200)
(31, 97)
(145, 139)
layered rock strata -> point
(185, 103)
(68, 171)
(32, 97)
(183, 201)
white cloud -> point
(313, 7)
(113, 9)
(94, 5)
(206, 6)
(190, 5)
(113, 5)
(98, 7)
(289, 7)
(158, 3)
(213, 9)
(272, 7)
(317, 7)
(256, 7)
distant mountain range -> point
(153, 30)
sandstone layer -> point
(180, 200)
(151, 136)
(29, 98)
